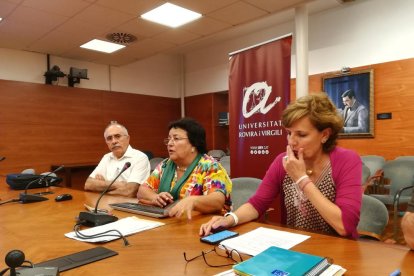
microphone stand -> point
(30, 198)
(96, 218)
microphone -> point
(94, 218)
(29, 198)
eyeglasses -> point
(114, 137)
(221, 251)
(174, 140)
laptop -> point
(142, 209)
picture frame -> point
(353, 94)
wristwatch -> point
(236, 219)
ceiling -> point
(59, 27)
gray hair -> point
(115, 123)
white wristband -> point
(236, 219)
(301, 178)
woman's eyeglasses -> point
(173, 139)
(221, 251)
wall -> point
(393, 92)
(205, 108)
(353, 35)
(157, 76)
(43, 125)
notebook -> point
(141, 209)
(276, 261)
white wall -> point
(365, 32)
(159, 75)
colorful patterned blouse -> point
(208, 176)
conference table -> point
(38, 230)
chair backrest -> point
(400, 174)
(373, 162)
(243, 189)
(225, 158)
(407, 157)
(216, 153)
(366, 173)
(154, 162)
(149, 154)
(373, 219)
(226, 165)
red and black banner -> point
(259, 90)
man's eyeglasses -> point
(173, 139)
(114, 137)
(221, 251)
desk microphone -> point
(29, 198)
(94, 218)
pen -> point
(396, 272)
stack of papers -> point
(127, 226)
(263, 238)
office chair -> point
(406, 157)
(216, 153)
(400, 174)
(225, 162)
(243, 189)
(373, 162)
(154, 162)
(373, 219)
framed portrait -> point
(353, 94)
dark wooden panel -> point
(146, 117)
(43, 125)
(200, 107)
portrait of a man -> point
(354, 113)
(353, 95)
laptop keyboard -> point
(140, 207)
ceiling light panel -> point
(102, 46)
(171, 15)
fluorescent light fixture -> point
(171, 15)
(102, 46)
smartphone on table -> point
(219, 236)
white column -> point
(302, 70)
(182, 92)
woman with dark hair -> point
(319, 182)
(188, 175)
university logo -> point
(255, 99)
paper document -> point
(127, 226)
(255, 241)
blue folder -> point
(276, 261)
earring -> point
(324, 141)
(192, 150)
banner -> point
(259, 90)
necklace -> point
(309, 171)
(181, 169)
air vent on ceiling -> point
(121, 38)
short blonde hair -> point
(321, 112)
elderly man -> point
(355, 114)
(117, 139)
(407, 224)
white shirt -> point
(109, 166)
